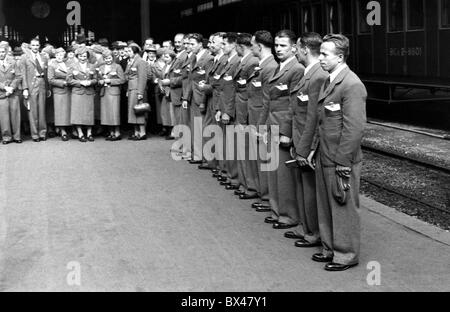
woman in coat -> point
(58, 72)
(111, 77)
(82, 79)
(136, 74)
(167, 109)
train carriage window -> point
(415, 15)
(333, 18)
(395, 15)
(307, 19)
(363, 27)
(346, 16)
(317, 13)
(445, 13)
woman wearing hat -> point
(111, 77)
(83, 78)
(136, 74)
(58, 72)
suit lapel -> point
(338, 80)
(284, 70)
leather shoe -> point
(321, 258)
(247, 196)
(6, 142)
(215, 171)
(203, 167)
(238, 192)
(225, 183)
(256, 205)
(303, 243)
(270, 220)
(215, 175)
(283, 226)
(263, 209)
(196, 162)
(36, 140)
(18, 141)
(336, 267)
(222, 179)
(231, 187)
(292, 235)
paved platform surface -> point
(135, 220)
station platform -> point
(136, 220)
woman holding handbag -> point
(111, 77)
(83, 78)
(58, 73)
(136, 75)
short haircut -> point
(180, 35)
(104, 42)
(265, 38)
(197, 37)
(312, 41)
(220, 34)
(231, 37)
(35, 40)
(170, 52)
(341, 42)
(286, 33)
(244, 39)
(149, 38)
(169, 41)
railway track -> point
(386, 186)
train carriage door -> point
(406, 38)
(365, 51)
(443, 42)
(312, 17)
(289, 16)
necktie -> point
(327, 83)
(3, 66)
(277, 70)
(38, 64)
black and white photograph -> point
(224, 147)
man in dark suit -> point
(201, 64)
(276, 116)
(304, 120)
(211, 88)
(342, 118)
(226, 111)
(258, 97)
(247, 188)
(175, 80)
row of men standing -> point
(308, 104)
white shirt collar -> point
(245, 56)
(310, 66)
(338, 70)
(218, 56)
(264, 59)
(200, 54)
(231, 56)
(283, 64)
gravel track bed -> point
(429, 185)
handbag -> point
(141, 108)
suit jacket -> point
(303, 107)
(227, 99)
(76, 75)
(276, 111)
(245, 70)
(30, 73)
(57, 76)
(176, 78)
(257, 88)
(342, 118)
(136, 75)
(198, 73)
(186, 82)
(11, 76)
(212, 85)
(117, 77)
